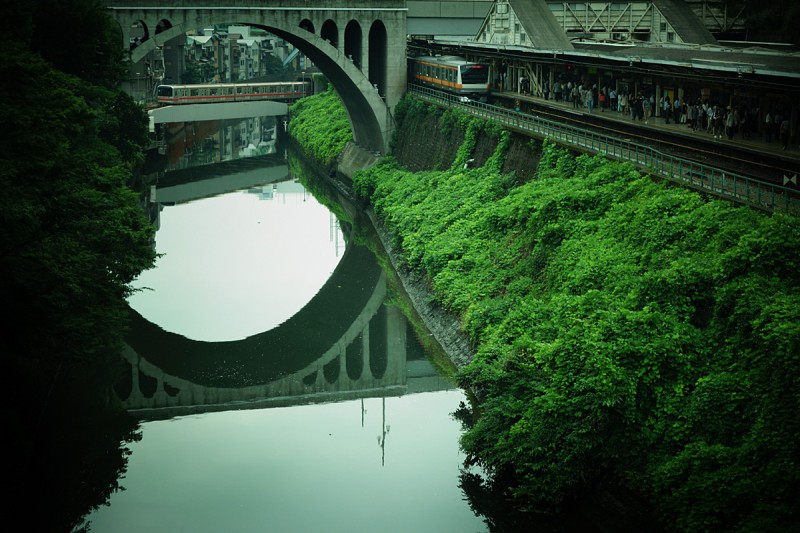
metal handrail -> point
(715, 181)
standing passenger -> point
(784, 132)
(768, 126)
(719, 122)
(666, 107)
(730, 123)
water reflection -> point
(238, 263)
(330, 419)
(192, 144)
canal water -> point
(278, 384)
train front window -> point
(164, 90)
(474, 74)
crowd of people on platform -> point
(721, 121)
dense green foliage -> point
(319, 123)
(198, 73)
(74, 233)
(74, 238)
(627, 332)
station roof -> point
(705, 56)
(540, 23)
(717, 57)
(684, 21)
(756, 62)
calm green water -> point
(361, 441)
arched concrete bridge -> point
(359, 45)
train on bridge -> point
(232, 92)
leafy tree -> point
(325, 141)
(77, 37)
(274, 65)
(74, 238)
(75, 234)
(197, 73)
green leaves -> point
(326, 139)
(75, 234)
(625, 331)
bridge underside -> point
(359, 47)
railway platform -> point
(756, 144)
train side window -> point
(195, 92)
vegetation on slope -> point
(74, 237)
(319, 123)
(627, 332)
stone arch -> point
(331, 370)
(163, 25)
(378, 352)
(369, 110)
(330, 33)
(378, 49)
(138, 32)
(307, 25)
(352, 42)
(364, 106)
(354, 358)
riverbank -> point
(420, 145)
(627, 336)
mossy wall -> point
(421, 143)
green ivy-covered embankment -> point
(627, 332)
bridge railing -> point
(715, 181)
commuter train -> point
(450, 73)
(232, 92)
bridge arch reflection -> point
(346, 343)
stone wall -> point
(419, 144)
